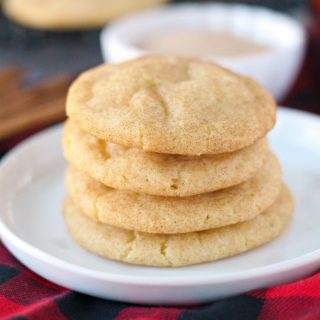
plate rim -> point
(8, 236)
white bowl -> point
(275, 69)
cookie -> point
(70, 14)
(173, 105)
(157, 173)
(179, 249)
(153, 214)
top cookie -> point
(174, 105)
(70, 14)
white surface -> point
(275, 69)
(31, 226)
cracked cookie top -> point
(173, 105)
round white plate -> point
(31, 227)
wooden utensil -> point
(22, 108)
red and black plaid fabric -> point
(24, 295)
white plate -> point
(31, 227)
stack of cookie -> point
(170, 165)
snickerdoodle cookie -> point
(157, 173)
(178, 249)
(173, 105)
(70, 14)
(154, 214)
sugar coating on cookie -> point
(70, 14)
(157, 173)
(141, 212)
(173, 105)
(182, 249)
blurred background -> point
(45, 44)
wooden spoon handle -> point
(24, 108)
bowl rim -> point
(114, 32)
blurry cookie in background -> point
(70, 14)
